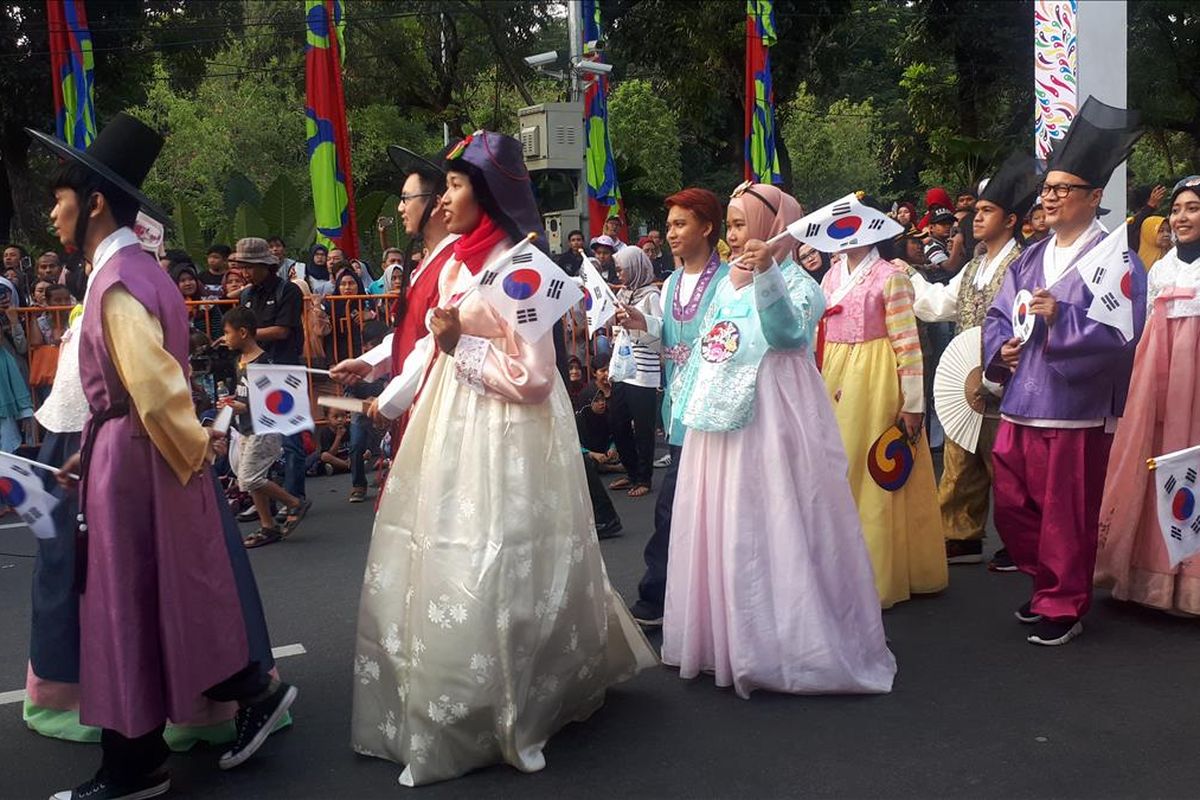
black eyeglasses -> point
(408, 198)
(1061, 190)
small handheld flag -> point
(599, 302)
(529, 290)
(1107, 269)
(23, 490)
(844, 224)
(279, 399)
(1022, 317)
(1175, 477)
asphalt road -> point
(976, 712)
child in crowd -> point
(257, 452)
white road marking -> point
(284, 651)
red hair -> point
(704, 204)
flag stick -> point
(38, 465)
(776, 239)
(1152, 463)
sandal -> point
(641, 490)
(295, 516)
(620, 483)
(261, 537)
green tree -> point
(645, 140)
(834, 149)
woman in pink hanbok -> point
(769, 584)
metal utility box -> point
(552, 136)
(558, 225)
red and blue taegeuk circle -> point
(843, 227)
(1022, 312)
(280, 402)
(12, 493)
(1127, 285)
(522, 284)
(587, 298)
(1183, 504)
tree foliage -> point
(834, 149)
(645, 138)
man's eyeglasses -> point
(1061, 190)
(408, 198)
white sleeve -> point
(935, 302)
(397, 397)
(379, 357)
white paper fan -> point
(959, 375)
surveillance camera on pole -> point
(542, 59)
(591, 67)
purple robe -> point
(1075, 369)
(160, 618)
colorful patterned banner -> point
(1055, 71)
(762, 159)
(325, 126)
(72, 66)
(604, 195)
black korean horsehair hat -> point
(1099, 139)
(1015, 184)
(122, 153)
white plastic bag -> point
(622, 366)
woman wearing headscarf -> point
(769, 584)
(203, 318)
(1154, 240)
(487, 621)
(16, 403)
(1161, 416)
(347, 315)
(317, 269)
(634, 403)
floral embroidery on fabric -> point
(444, 711)
(481, 667)
(418, 745)
(678, 354)
(446, 614)
(377, 578)
(366, 670)
(720, 343)
(469, 355)
(391, 642)
(388, 726)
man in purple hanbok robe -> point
(161, 619)
(1065, 386)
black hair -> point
(374, 331)
(575, 232)
(239, 317)
(85, 182)
(600, 362)
(176, 257)
(55, 287)
(275, 239)
(223, 250)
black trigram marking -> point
(1176, 533)
(296, 420)
(555, 290)
(1110, 301)
(1125, 257)
(32, 515)
(488, 278)
(812, 230)
(262, 382)
(20, 470)
(841, 208)
(852, 242)
(266, 421)
(1190, 475)
(875, 225)
(522, 258)
(526, 315)
(1195, 526)
(1099, 274)
(293, 381)
(1170, 485)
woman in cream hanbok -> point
(487, 621)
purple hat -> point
(501, 161)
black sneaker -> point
(255, 723)
(1053, 632)
(1002, 562)
(964, 551)
(646, 615)
(102, 787)
(609, 529)
(1025, 615)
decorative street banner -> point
(72, 65)
(762, 159)
(1055, 71)
(1175, 476)
(325, 126)
(529, 290)
(604, 195)
(279, 399)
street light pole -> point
(575, 32)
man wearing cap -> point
(1065, 385)
(603, 248)
(965, 487)
(424, 182)
(162, 612)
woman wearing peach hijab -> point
(769, 584)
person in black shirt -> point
(278, 305)
(217, 264)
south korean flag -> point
(279, 399)
(23, 490)
(599, 302)
(1107, 269)
(844, 224)
(529, 290)
(1175, 477)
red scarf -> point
(474, 247)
